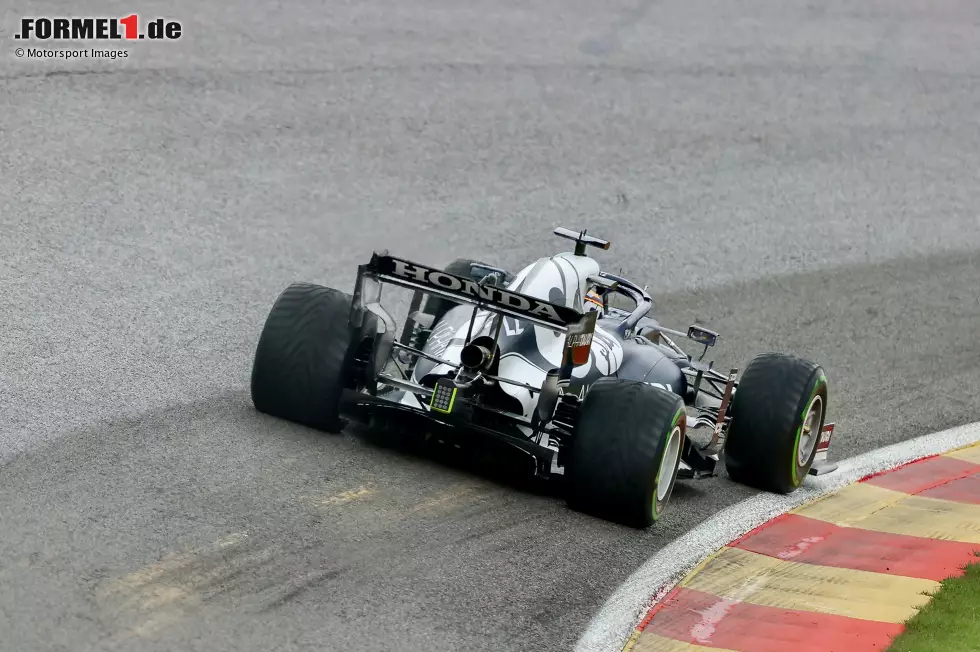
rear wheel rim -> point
(672, 459)
(810, 431)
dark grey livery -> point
(547, 362)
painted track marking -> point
(753, 578)
(615, 623)
(810, 541)
(883, 510)
(699, 618)
(861, 604)
(653, 643)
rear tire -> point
(771, 441)
(304, 357)
(626, 451)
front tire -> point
(778, 414)
(304, 357)
(626, 451)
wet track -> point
(800, 177)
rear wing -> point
(578, 327)
(397, 271)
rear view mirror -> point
(485, 274)
(702, 335)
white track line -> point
(612, 626)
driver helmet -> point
(594, 303)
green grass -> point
(951, 620)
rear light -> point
(578, 344)
(579, 347)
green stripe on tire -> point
(660, 467)
(821, 381)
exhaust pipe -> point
(478, 355)
(473, 356)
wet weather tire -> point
(304, 357)
(625, 452)
(778, 414)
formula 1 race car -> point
(549, 363)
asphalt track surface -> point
(802, 176)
